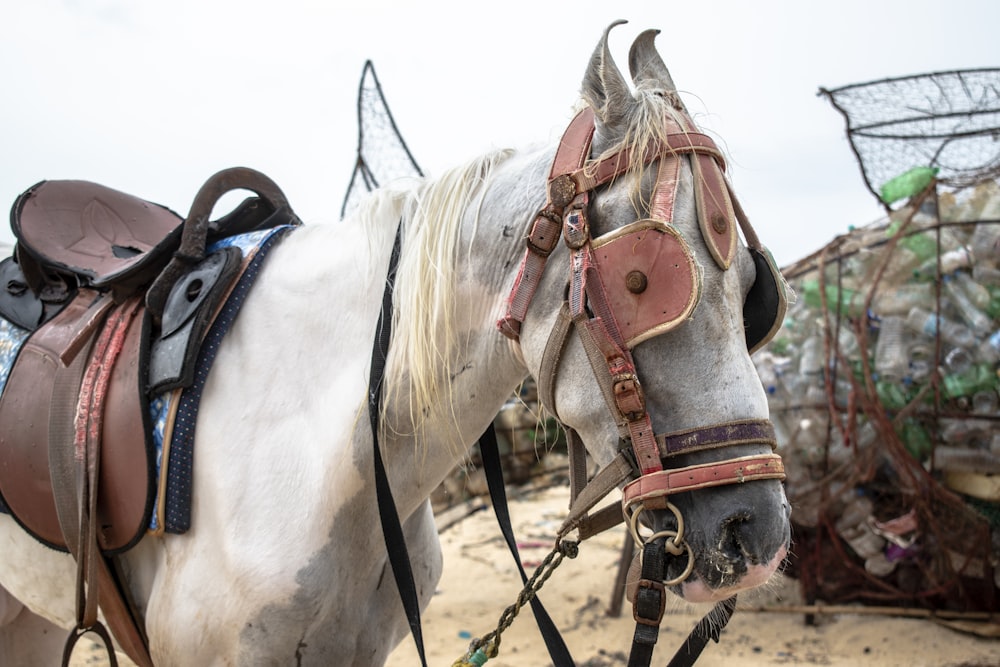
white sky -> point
(153, 97)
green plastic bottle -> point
(842, 300)
(980, 377)
(907, 184)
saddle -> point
(117, 293)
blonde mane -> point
(423, 324)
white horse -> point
(284, 562)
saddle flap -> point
(37, 410)
(101, 235)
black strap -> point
(498, 495)
(709, 627)
(648, 611)
(395, 543)
(648, 604)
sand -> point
(480, 581)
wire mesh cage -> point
(883, 388)
(883, 381)
(945, 122)
(382, 154)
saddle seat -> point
(102, 256)
(102, 236)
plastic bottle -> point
(958, 360)
(916, 439)
(931, 324)
(975, 318)
(985, 244)
(989, 350)
(907, 184)
(976, 293)
(811, 361)
(964, 459)
(891, 360)
(950, 261)
(985, 402)
(979, 377)
(898, 300)
(843, 300)
(891, 394)
(921, 355)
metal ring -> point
(674, 545)
(633, 525)
(690, 564)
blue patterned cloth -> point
(12, 337)
(177, 504)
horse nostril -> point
(733, 542)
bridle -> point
(626, 287)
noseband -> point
(628, 286)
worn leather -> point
(28, 413)
(650, 278)
(104, 236)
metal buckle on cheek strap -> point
(544, 232)
(629, 396)
(650, 602)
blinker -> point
(649, 276)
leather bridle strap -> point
(572, 153)
(652, 489)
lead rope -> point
(488, 646)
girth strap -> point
(75, 487)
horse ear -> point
(604, 87)
(647, 68)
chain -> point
(488, 646)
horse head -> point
(667, 305)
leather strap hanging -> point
(392, 530)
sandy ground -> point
(480, 581)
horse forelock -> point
(654, 113)
(424, 308)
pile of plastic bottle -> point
(883, 388)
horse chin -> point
(696, 590)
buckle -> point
(650, 599)
(625, 449)
(628, 396)
(577, 227)
(544, 232)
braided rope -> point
(488, 646)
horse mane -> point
(424, 332)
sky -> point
(151, 98)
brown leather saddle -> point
(87, 254)
(117, 293)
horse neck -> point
(449, 370)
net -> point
(947, 121)
(382, 154)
